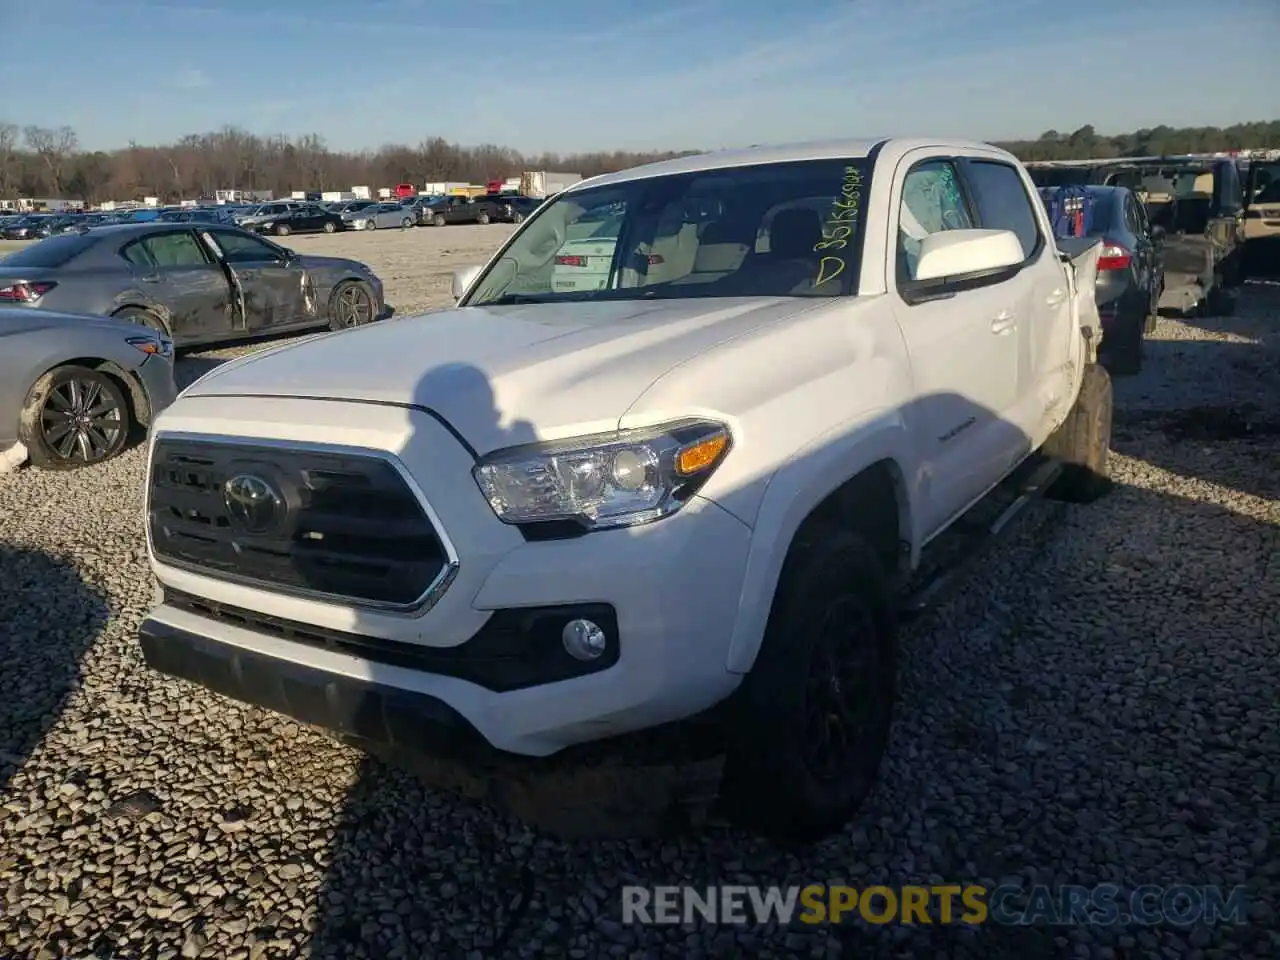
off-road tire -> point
(1083, 442)
(769, 784)
(30, 430)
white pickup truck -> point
(520, 534)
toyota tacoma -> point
(674, 515)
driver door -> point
(272, 288)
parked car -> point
(1199, 203)
(673, 512)
(31, 227)
(74, 388)
(263, 212)
(458, 210)
(585, 262)
(303, 218)
(381, 216)
(352, 206)
(196, 283)
(511, 208)
(1130, 266)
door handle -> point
(151, 278)
(1003, 323)
(1055, 298)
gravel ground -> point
(1098, 705)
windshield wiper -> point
(513, 299)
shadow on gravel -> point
(49, 617)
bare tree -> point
(9, 160)
(44, 161)
(53, 146)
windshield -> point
(768, 230)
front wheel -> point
(282, 229)
(811, 721)
(330, 226)
(517, 218)
(351, 305)
(437, 220)
(73, 417)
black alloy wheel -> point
(74, 417)
(844, 703)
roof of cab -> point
(748, 156)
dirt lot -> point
(1099, 706)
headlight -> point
(609, 480)
(268, 225)
(158, 346)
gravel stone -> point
(1098, 705)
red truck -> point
(405, 190)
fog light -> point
(583, 639)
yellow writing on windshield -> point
(839, 226)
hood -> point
(562, 369)
(320, 263)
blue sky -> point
(654, 74)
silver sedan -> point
(74, 389)
(382, 216)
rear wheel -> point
(406, 223)
(143, 318)
(1126, 354)
(482, 219)
(73, 417)
(351, 305)
(812, 719)
(1083, 442)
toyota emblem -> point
(252, 503)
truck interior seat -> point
(721, 252)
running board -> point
(935, 589)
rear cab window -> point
(52, 251)
(1003, 202)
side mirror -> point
(462, 279)
(959, 253)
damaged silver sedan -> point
(194, 283)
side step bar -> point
(937, 587)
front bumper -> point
(673, 630)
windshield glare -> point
(767, 230)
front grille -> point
(340, 524)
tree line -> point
(48, 162)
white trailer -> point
(545, 183)
(360, 193)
